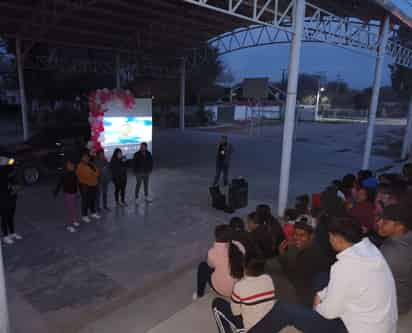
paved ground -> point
(61, 282)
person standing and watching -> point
(396, 225)
(142, 167)
(70, 184)
(118, 166)
(8, 199)
(105, 176)
(88, 174)
(223, 158)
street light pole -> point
(320, 90)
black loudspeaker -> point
(218, 199)
(238, 193)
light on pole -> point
(320, 90)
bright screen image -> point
(127, 130)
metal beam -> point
(118, 78)
(182, 93)
(375, 93)
(23, 102)
(290, 110)
(407, 138)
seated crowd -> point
(346, 251)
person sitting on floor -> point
(239, 229)
(360, 296)
(253, 296)
(302, 203)
(273, 228)
(306, 264)
(364, 209)
(216, 271)
(396, 225)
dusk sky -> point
(268, 61)
(356, 69)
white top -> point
(361, 291)
(253, 298)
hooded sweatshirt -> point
(218, 258)
(361, 291)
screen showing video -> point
(120, 131)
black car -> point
(46, 151)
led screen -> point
(120, 131)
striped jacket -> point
(253, 298)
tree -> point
(308, 85)
(361, 100)
(204, 75)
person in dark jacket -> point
(142, 167)
(105, 177)
(8, 200)
(223, 159)
(305, 267)
(118, 166)
(395, 225)
(70, 184)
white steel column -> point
(182, 93)
(408, 133)
(289, 123)
(23, 102)
(4, 312)
(317, 105)
(375, 93)
(117, 69)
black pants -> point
(88, 194)
(223, 307)
(7, 220)
(119, 190)
(221, 168)
(204, 277)
(298, 316)
(142, 178)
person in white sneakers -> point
(68, 181)
(88, 174)
(8, 200)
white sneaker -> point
(76, 224)
(8, 240)
(16, 236)
(95, 216)
(86, 219)
(71, 229)
(148, 199)
(195, 296)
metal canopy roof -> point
(145, 25)
(159, 29)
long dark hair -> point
(236, 261)
(114, 156)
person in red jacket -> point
(364, 210)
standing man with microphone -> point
(223, 157)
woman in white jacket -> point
(360, 296)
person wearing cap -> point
(359, 298)
(303, 268)
(396, 224)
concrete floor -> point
(62, 282)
